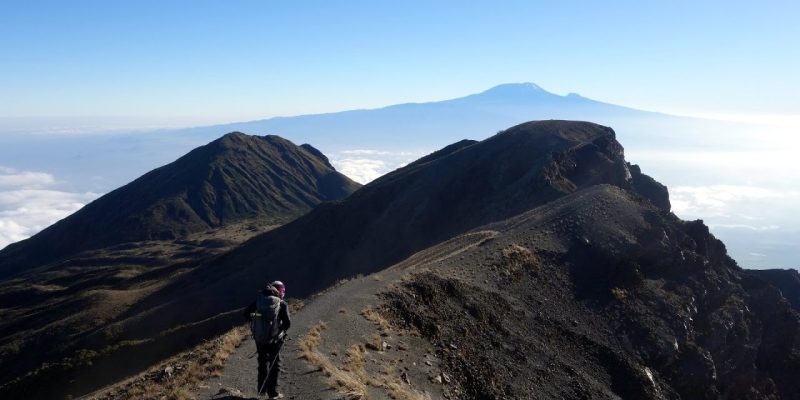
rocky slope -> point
(598, 294)
(534, 264)
(602, 295)
(786, 280)
(228, 180)
(61, 317)
(461, 187)
(456, 189)
(587, 288)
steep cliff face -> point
(786, 280)
(601, 294)
(649, 188)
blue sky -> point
(194, 62)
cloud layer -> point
(365, 165)
(734, 202)
(29, 203)
(758, 224)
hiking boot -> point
(276, 396)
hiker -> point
(269, 318)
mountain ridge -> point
(634, 301)
(230, 179)
(445, 120)
(438, 199)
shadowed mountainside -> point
(786, 280)
(86, 271)
(600, 295)
(590, 285)
(228, 180)
(651, 303)
(458, 188)
(451, 191)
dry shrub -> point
(295, 305)
(376, 318)
(227, 346)
(518, 255)
(619, 293)
(352, 379)
(347, 383)
(516, 258)
(311, 341)
(177, 394)
(202, 362)
(389, 370)
(398, 391)
(375, 343)
(355, 361)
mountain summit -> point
(508, 89)
(233, 178)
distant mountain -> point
(434, 124)
(99, 162)
(230, 179)
(399, 133)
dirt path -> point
(395, 364)
(299, 379)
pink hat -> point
(280, 286)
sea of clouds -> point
(30, 201)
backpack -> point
(265, 325)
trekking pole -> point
(269, 367)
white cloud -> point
(757, 223)
(365, 165)
(27, 205)
(361, 170)
(745, 226)
(379, 153)
(745, 202)
(10, 178)
(779, 120)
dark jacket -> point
(283, 314)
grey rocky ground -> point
(402, 357)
